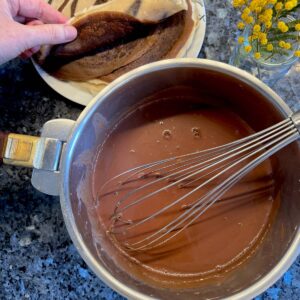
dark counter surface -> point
(37, 258)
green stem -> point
(284, 36)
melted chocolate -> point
(218, 241)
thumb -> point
(49, 34)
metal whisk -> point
(213, 171)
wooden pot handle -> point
(17, 149)
(3, 141)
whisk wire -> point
(221, 189)
(209, 163)
(196, 170)
(218, 148)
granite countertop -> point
(37, 258)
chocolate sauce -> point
(222, 238)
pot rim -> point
(249, 293)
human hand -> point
(25, 25)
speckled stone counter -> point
(37, 258)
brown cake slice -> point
(168, 36)
(111, 43)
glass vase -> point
(267, 70)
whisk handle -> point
(296, 119)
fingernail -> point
(70, 32)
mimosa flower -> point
(248, 48)
(257, 55)
(287, 46)
(270, 47)
(267, 22)
(241, 25)
(241, 40)
(256, 28)
(279, 6)
(281, 44)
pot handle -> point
(3, 140)
(18, 149)
(44, 154)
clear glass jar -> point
(269, 70)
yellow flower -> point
(238, 3)
(262, 36)
(253, 5)
(248, 48)
(256, 28)
(241, 40)
(268, 24)
(244, 17)
(282, 26)
(241, 25)
(287, 46)
(281, 44)
(289, 5)
(264, 41)
(265, 17)
(279, 6)
(257, 55)
(262, 18)
(247, 11)
(255, 36)
(270, 47)
(249, 20)
(269, 12)
(258, 9)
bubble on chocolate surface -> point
(196, 132)
(167, 134)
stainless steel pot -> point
(55, 156)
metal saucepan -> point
(54, 157)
